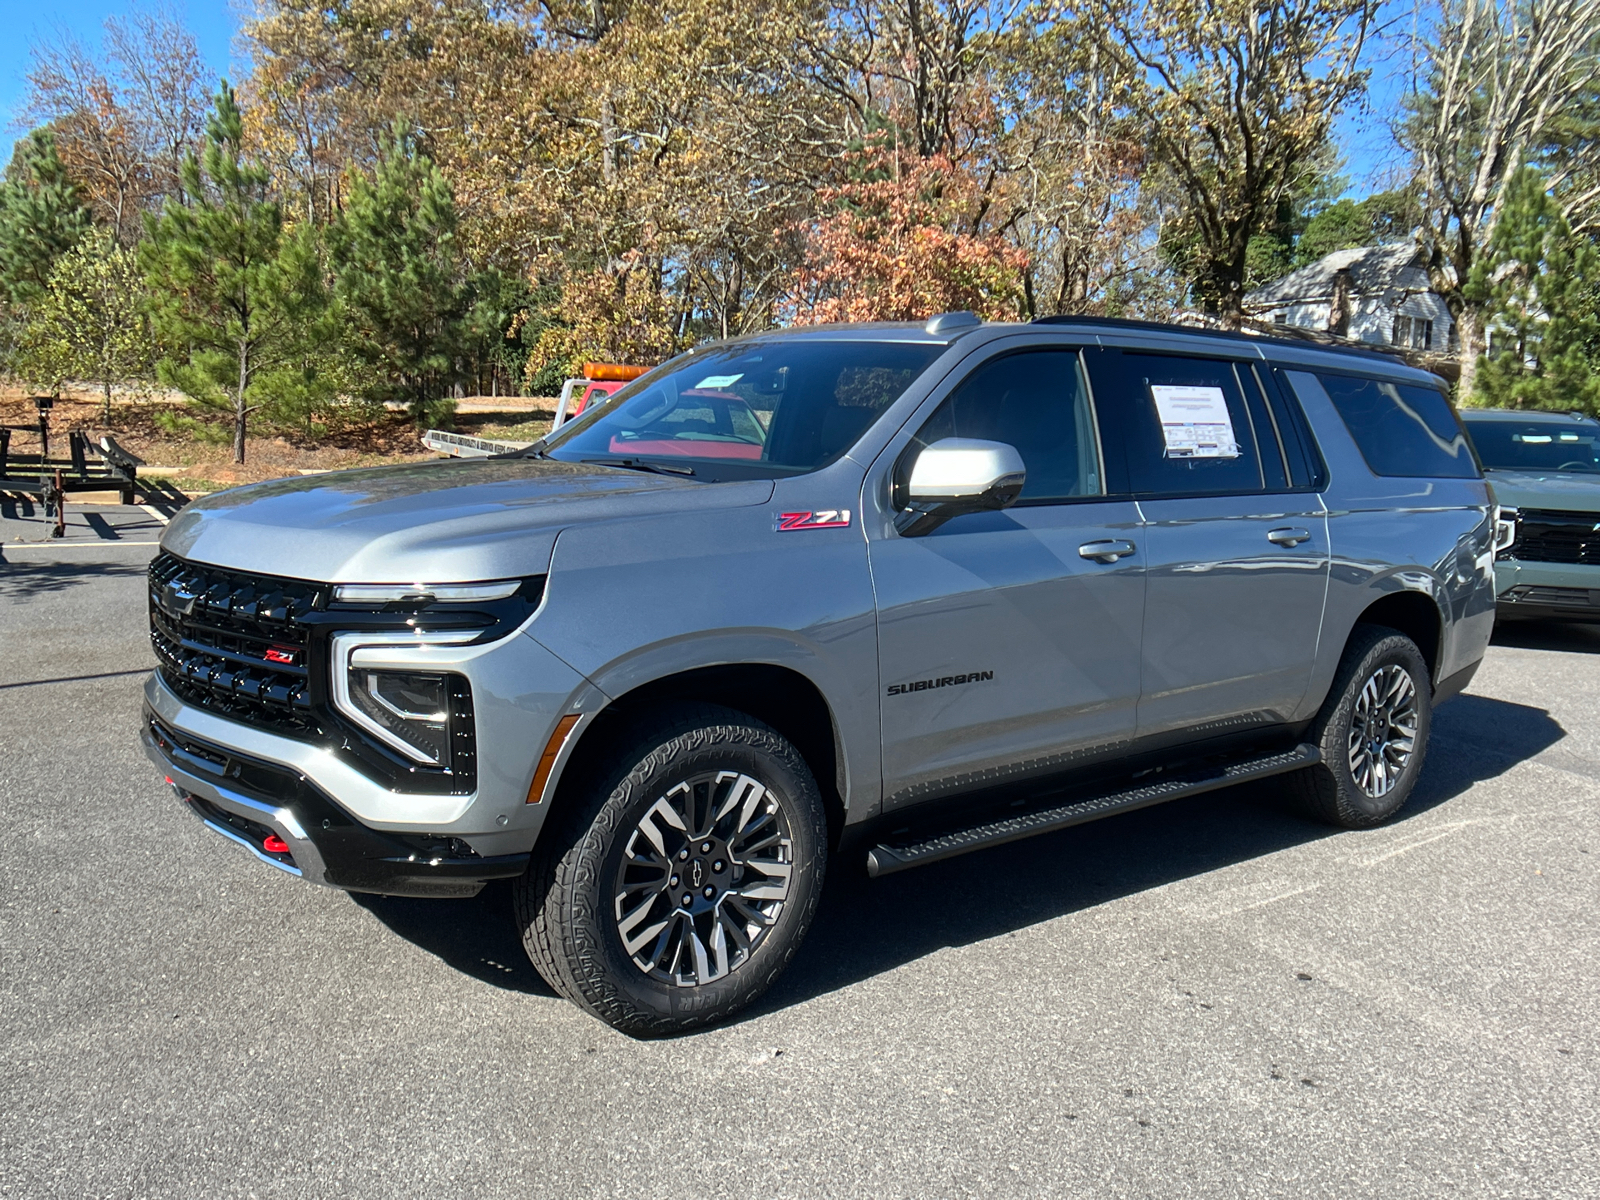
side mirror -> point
(956, 476)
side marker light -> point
(547, 760)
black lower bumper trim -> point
(1524, 611)
(354, 856)
(418, 876)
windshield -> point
(776, 406)
(1536, 445)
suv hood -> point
(1559, 490)
(433, 522)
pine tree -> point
(227, 284)
(397, 277)
(42, 215)
(1539, 282)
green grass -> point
(524, 431)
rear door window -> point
(1185, 425)
(1306, 468)
(1402, 429)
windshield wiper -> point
(639, 464)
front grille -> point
(1546, 535)
(233, 643)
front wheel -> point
(681, 888)
(1372, 730)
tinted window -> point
(1274, 471)
(781, 405)
(1186, 429)
(1306, 469)
(1536, 445)
(1402, 429)
(1035, 401)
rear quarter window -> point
(1402, 429)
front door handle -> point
(1288, 537)
(1105, 552)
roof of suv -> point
(1282, 348)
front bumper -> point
(252, 801)
(1547, 591)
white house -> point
(1376, 294)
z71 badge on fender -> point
(825, 518)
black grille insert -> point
(234, 643)
(1547, 535)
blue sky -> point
(1362, 135)
(22, 24)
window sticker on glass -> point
(1195, 422)
(720, 381)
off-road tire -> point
(564, 902)
(1329, 790)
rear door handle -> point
(1105, 552)
(1288, 537)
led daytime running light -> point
(434, 593)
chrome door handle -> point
(1106, 551)
(1288, 537)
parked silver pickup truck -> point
(883, 593)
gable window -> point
(1415, 333)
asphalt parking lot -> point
(1211, 998)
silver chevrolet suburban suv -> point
(878, 593)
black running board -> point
(886, 860)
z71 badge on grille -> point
(823, 518)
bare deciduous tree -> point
(1497, 79)
(123, 134)
(1238, 98)
(94, 132)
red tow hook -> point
(273, 844)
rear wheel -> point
(679, 891)
(1373, 732)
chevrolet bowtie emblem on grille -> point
(177, 600)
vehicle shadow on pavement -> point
(1573, 637)
(865, 927)
(28, 581)
(476, 936)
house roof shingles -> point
(1372, 269)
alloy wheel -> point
(703, 878)
(1383, 730)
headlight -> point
(1505, 528)
(381, 681)
(412, 709)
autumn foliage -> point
(903, 240)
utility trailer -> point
(87, 467)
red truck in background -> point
(599, 381)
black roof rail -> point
(1298, 343)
